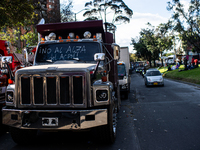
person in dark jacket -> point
(185, 63)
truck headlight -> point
(9, 97)
(102, 95)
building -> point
(53, 11)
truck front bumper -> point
(54, 119)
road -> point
(153, 118)
(167, 118)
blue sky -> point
(153, 11)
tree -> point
(164, 40)
(142, 51)
(117, 10)
(187, 23)
(10, 35)
(66, 12)
(150, 40)
(14, 35)
(133, 57)
(15, 12)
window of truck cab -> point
(121, 70)
(67, 51)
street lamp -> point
(79, 12)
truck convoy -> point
(72, 85)
(124, 71)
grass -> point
(192, 76)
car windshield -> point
(121, 70)
(67, 51)
(153, 73)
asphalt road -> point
(167, 118)
(153, 118)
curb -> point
(189, 83)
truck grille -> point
(53, 90)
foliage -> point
(10, 35)
(133, 57)
(30, 38)
(142, 51)
(164, 40)
(168, 54)
(66, 12)
(187, 23)
(99, 9)
(14, 36)
(153, 41)
(15, 12)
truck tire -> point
(107, 134)
(126, 95)
(24, 137)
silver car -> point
(153, 77)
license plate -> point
(155, 83)
(49, 121)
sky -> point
(152, 11)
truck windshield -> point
(67, 51)
(121, 70)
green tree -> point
(116, 9)
(164, 39)
(142, 52)
(66, 12)
(30, 38)
(150, 40)
(10, 35)
(15, 12)
(187, 23)
(133, 57)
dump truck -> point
(72, 84)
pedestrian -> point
(185, 63)
(169, 68)
(195, 63)
(192, 60)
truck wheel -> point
(107, 134)
(20, 136)
(126, 95)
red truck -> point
(72, 85)
(6, 71)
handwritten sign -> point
(67, 51)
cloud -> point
(139, 21)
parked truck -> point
(72, 85)
(124, 71)
(8, 66)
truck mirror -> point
(116, 51)
(6, 59)
(25, 56)
(99, 56)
